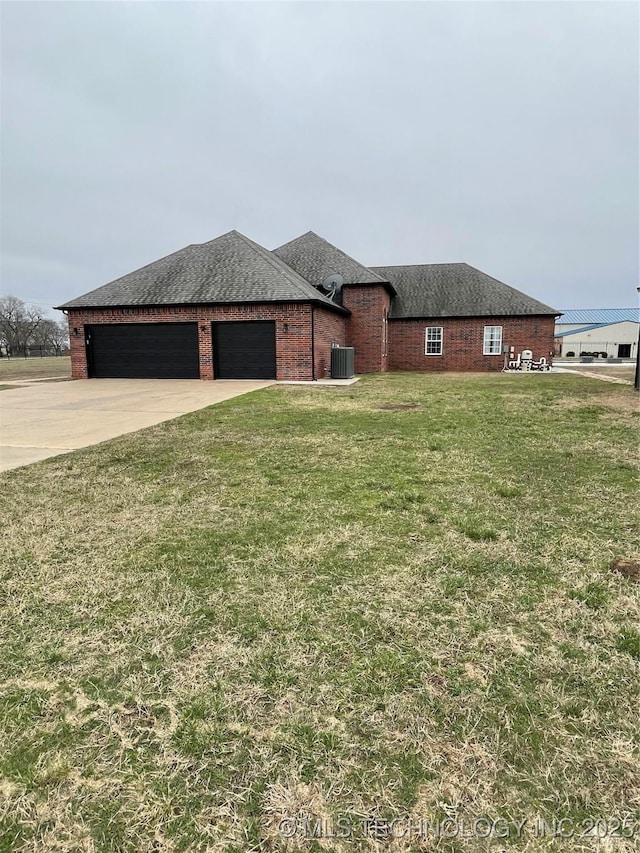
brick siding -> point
(293, 343)
(462, 342)
(364, 330)
(369, 305)
(328, 328)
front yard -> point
(386, 600)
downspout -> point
(313, 345)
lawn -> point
(35, 368)
(613, 371)
(388, 600)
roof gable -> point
(315, 258)
(455, 290)
(230, 269)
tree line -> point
(26, 327)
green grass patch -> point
(35, 368)
(385, 599)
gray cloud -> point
(503, 134)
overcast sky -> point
(504, 134)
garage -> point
(143, 351)
(225, 309)
(245, 350)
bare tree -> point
(51, 335)
(18, 323)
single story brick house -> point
(231, 309)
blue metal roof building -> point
(599, 316)
(610, 333)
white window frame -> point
(490, 344)
(437, 340)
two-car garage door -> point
(143, 351)
(242, 350)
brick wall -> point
(293, 343)
(328, 328)
(364, 330)
(366, 327)
(462, 342)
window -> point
(492, 344)
(433, 340)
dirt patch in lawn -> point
(627, 567)
(389, 407)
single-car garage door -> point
(143, 351)
(245, 350)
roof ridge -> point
(335, 248)
(299, 237)
(439, 264)
(256, 246)
(342, 252)
(290, 273)
(513, 289)
(457, 289)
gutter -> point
(328, 306)
(386, 284)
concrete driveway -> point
(49, 418)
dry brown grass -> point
(623, 372)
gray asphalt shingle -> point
(314, 259)
(234, 269)
(230, 269)
(454, 290)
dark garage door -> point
(245, 350)
(143, 351)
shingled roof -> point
(454, 290)
(230, 269)
(315, 258)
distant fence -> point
(33, 352)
